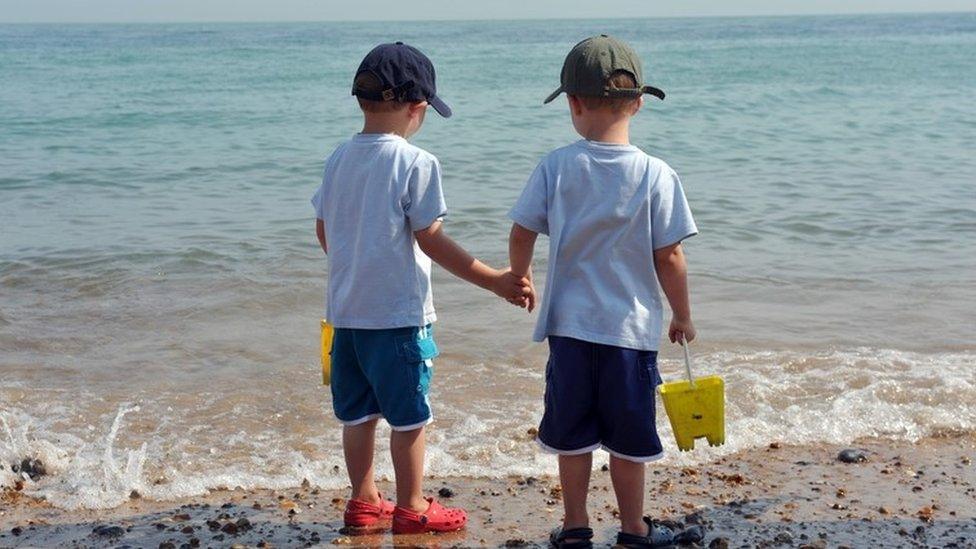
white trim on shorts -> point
(550, 450)
(359, 421)
(413, 426)
(635, 459)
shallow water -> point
(157, 253)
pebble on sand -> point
(852, 455)
(109, 531)
(33, 468)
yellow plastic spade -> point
(695, 407)
(327, 333)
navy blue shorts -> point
(600, 396)
(383, 373)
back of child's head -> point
(369, 83)
(604, 74)
(392, 76)
(619, 80)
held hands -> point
(681, 328)
(517, 290)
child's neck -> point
(608, 131)
(376, 123)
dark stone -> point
(218, 537)
(159, 526)
(109, 531)
(227, 505)
(134, 494)
(694, 518)
(213, 525)
(516, 542)
(852, 455)
(783, 538)
(194, 542)
(167, 545)
(605, 468)
(244, 525)
(181, 517)
(187, 530)
(445, 492)
(229, 528)
(689, 536)
(33, 468)
(16, 530)
(719, 543)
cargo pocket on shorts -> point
(417, 352)
(647, 369)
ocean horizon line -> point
(493, 20)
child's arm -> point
(446, 253)
(320, 232)
(521, 244)
(672, 273)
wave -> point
(172, 444)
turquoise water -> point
(156, 243)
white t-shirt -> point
(377, 190)
(606, 207)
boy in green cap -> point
(615, 218)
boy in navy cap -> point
(379, 212)
(615, 218)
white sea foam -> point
(835, 397)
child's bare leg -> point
(628, 485)
(407, 450)
(574, 475)
(359, 445)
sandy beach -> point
(901, 495)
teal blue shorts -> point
(383, 373)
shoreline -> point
(904, 494)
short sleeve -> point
(425, 197)
(532, 208)
(671, 220)
(317, 201)
(319, 198)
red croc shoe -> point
(360, 514)
(436, 518)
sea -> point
(161, 285)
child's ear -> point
(638, 105)
(418, 108)
(575, 105)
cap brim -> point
(440, 106)
(553, 95)
(656, 92)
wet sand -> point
(903, 495)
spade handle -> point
(684, 346)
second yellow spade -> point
(327, 333)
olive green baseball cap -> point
(591, 62)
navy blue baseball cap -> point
(405, 73)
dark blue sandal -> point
(582, 536)
(657, 536)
